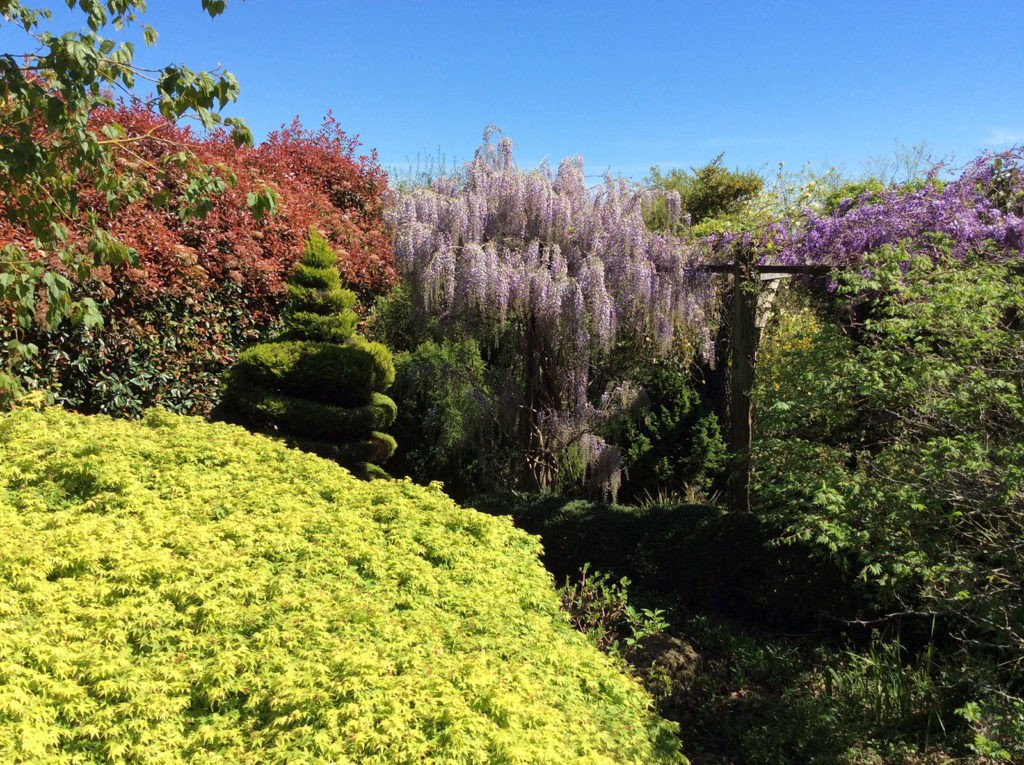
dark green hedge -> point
(377, 448)
(705, 558)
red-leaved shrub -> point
(206, 285)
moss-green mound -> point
(174, 591)
(293, 416)
(335, 374)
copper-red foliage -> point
(206, 286)
(318, 179)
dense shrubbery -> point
(446, 428)
(897, 446)
(178, 590)
(319, 384)
(710, 197)
(697, 556)
(207, 286)
(672, 443)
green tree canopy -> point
(707, 192)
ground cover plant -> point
(181, 590)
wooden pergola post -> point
(751, 303)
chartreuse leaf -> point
(174, 591)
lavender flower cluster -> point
(960, 210)
(980, 210)
(569, 269)
(506, 243)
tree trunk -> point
(528, 436)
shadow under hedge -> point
(701, 558)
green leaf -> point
(113, 130)
(214, 7)
(262, 203)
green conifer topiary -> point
(321, 385)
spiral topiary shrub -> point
(321, 385)
(175, 590)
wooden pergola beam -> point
(768, 269)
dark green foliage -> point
(396, 322)
(320, 386)
(921, 470)
(129, 366)
(599, 607)
(444, 422)
(311, 419)
(697, 556)
(376, 448)
(673, 443)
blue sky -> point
(627, 84)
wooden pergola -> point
(753, 290)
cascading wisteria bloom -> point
(564, 271)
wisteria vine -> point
(564, 271)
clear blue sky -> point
(624, 84)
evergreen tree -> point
(321, 385)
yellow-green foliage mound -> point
(172, 591)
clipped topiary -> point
(321, 385)
(180, 591)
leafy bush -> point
(704, 194)
(673, 443)
(774, 700)
(203, 288)
(897, 446)
(696, 556)
(921, 469)
(445, 427)
(599, 608)
(177, 590)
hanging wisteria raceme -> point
(561, 270)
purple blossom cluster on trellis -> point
(968, 211)
(570, 270)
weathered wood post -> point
(741, 412)
(753, 290)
